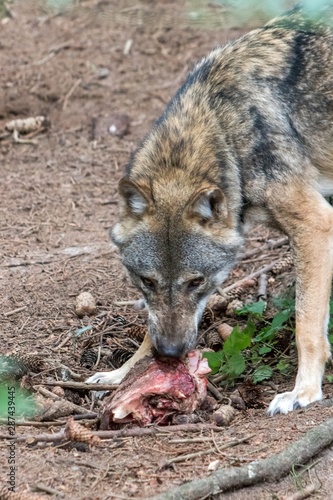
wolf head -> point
(178, 243)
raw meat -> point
(156, 388)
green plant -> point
(253, 350)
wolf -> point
(248, 136)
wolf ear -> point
(133, 198)
(208, 205)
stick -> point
(182, 458)
(75, 408)
(70, 92)
(47, 489)
(132, 432)
(264, 269)
(269, 469)
(262, 287)
(32, 423)
(303, 493)
(211, 387)
(267, 246)
(83, 386)
(14, 311)
(125, 303)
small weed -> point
(255, 351)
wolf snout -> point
(172, 349)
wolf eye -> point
(195, 283)
(148, 283)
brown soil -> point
(58, 200)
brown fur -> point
(249, 134)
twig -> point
(303, 493)
(99, 351)
(182, 458)
(64, 341)
(47, 489)
(70, 92)
(32, 423)
(135, 431)
(268, 246)
(75, 408)
(262, 287)
(14, 311)
(255, 274)
(269, 469)
(83, 386)
(75, 376)
(125, 303)
(214, 391)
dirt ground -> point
(85, 68)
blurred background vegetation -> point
(205, 14)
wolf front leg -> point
(308, 220)
(116, 376)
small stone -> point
(213, 466)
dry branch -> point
(255, 274)
(82, 386)
(182, 458)
(125, 432)
(268, 246)
(304, 493)
(269, 469)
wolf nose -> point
(170, 350)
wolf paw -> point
(113, 377)
(289, 401)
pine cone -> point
(16, 365)
(283, 264)
(217, 303)
(88, 358)
(76, 432)
(137, 332)
(213, 340)
(118, 357)
(207, 319)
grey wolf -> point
(249, 135)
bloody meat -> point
(156, 388)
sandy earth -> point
(82, 69)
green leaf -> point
(330, 339)
(237, 341)
(265, 349)
(330, 379)
(235, 365)
(266, 334)
(284, 303)
(262, 373)
(282, 366)
(256, 309)
(214, 360)
(280, 318)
